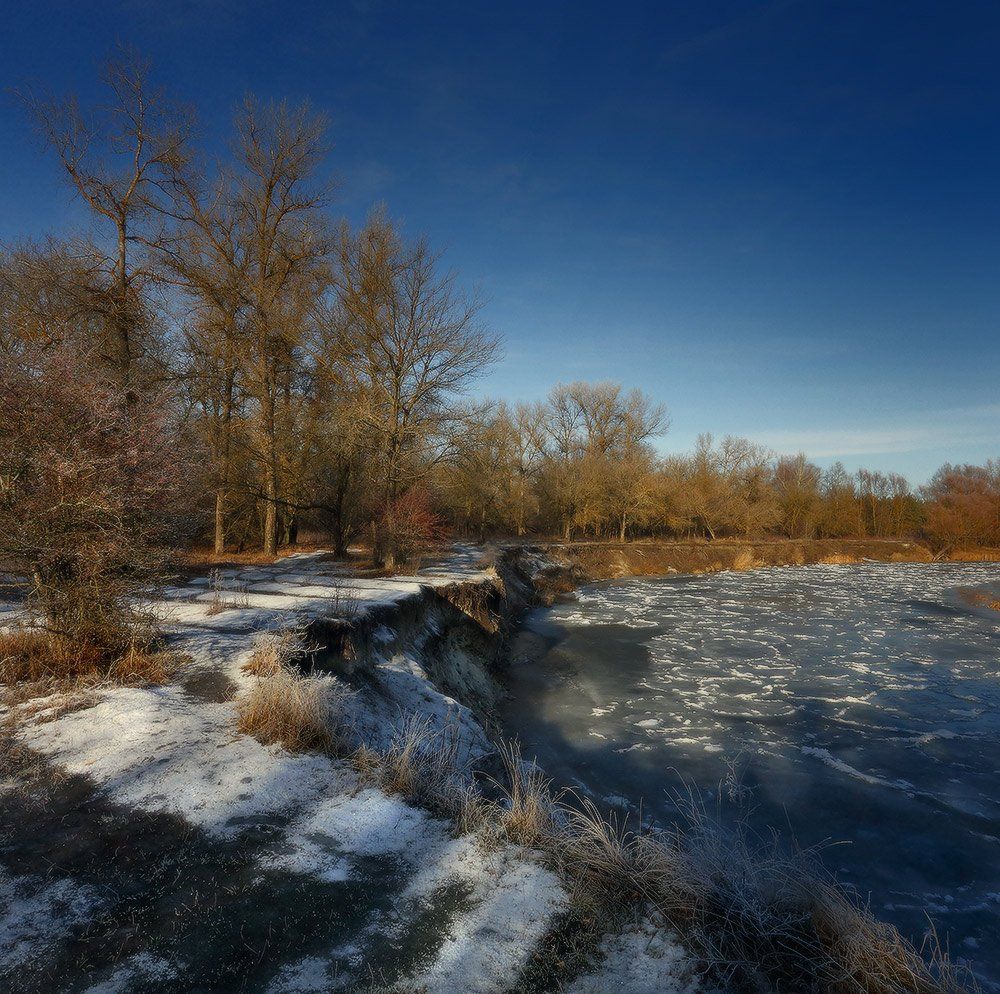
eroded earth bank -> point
(148, 845)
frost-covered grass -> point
(290, 709)
(757, 918)
(285, 706)
(754, 918)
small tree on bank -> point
(90, 497)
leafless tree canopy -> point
(322, 372)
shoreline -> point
(616, 560)
(433, 646)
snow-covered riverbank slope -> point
(145, 845)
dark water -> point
(860, 704)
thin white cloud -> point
(929, 430)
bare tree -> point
(112, 157)
(203, 250)
(797, 484)
(412, 344)
(963, 505)
(91, 495)
(278, 151)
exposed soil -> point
(612, 560)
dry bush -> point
(530, 815)
(744, 560)
(839, 559)
(224, 599)
(95, 491)
(344, 602)
(297, 711)
(406, 526)
(43, 659)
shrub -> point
(90, 495)
(32, 656)
(406, 526)
(294, 710)
(963, 506)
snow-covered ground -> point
(178, 854)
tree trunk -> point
(220, 522)
(270, 462)
(270, 513)
(623, 528)
(122, 343)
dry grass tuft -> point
(33, 656)
(423, 765)
(142, 666)
(299, 711)
(530, 816)
(839, 559)
(273, 651)
(47, 660)
(293, 710)
(744, 560)
(605, 856)
(757, 918)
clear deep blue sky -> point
(779, 218)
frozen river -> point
(860, 705)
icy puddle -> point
(861, 705)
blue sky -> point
(779, 218)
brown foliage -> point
(46, 659)
(91, 492)
(963, 505)
(407, 526)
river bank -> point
(850, 708)
(145, 844)
(590, 561)
(459, 906)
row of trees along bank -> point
(303, 373)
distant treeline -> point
(581, 464)
(254, 366)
